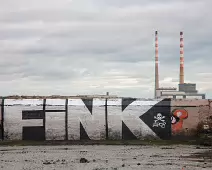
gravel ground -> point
(112, 157)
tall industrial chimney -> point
(156, 64)
(181, 59)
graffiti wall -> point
(90, 119)
(189, 115)
(100, 119)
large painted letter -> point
(55, 119)
(86, 119)
(23, 119)
(130, 118)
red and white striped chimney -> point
(156, 64)
(181, 58)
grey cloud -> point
(76, 44)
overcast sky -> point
(71, 47)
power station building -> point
(185, 90)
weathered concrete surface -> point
(86, 119)
(210, 101)
(189, 102)
(106, 157)
(1, 129)
(13, 121)
(198, 111)
(121, 119)
(0, 110)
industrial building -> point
(185, 90)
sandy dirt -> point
(102, 157)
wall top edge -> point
(73, 98)
(110, 102)
(82, 102)
(102, 97)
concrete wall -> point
(195, 114)
(101, 119)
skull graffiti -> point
(159, 121)
(159, 117)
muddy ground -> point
(96, 157)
